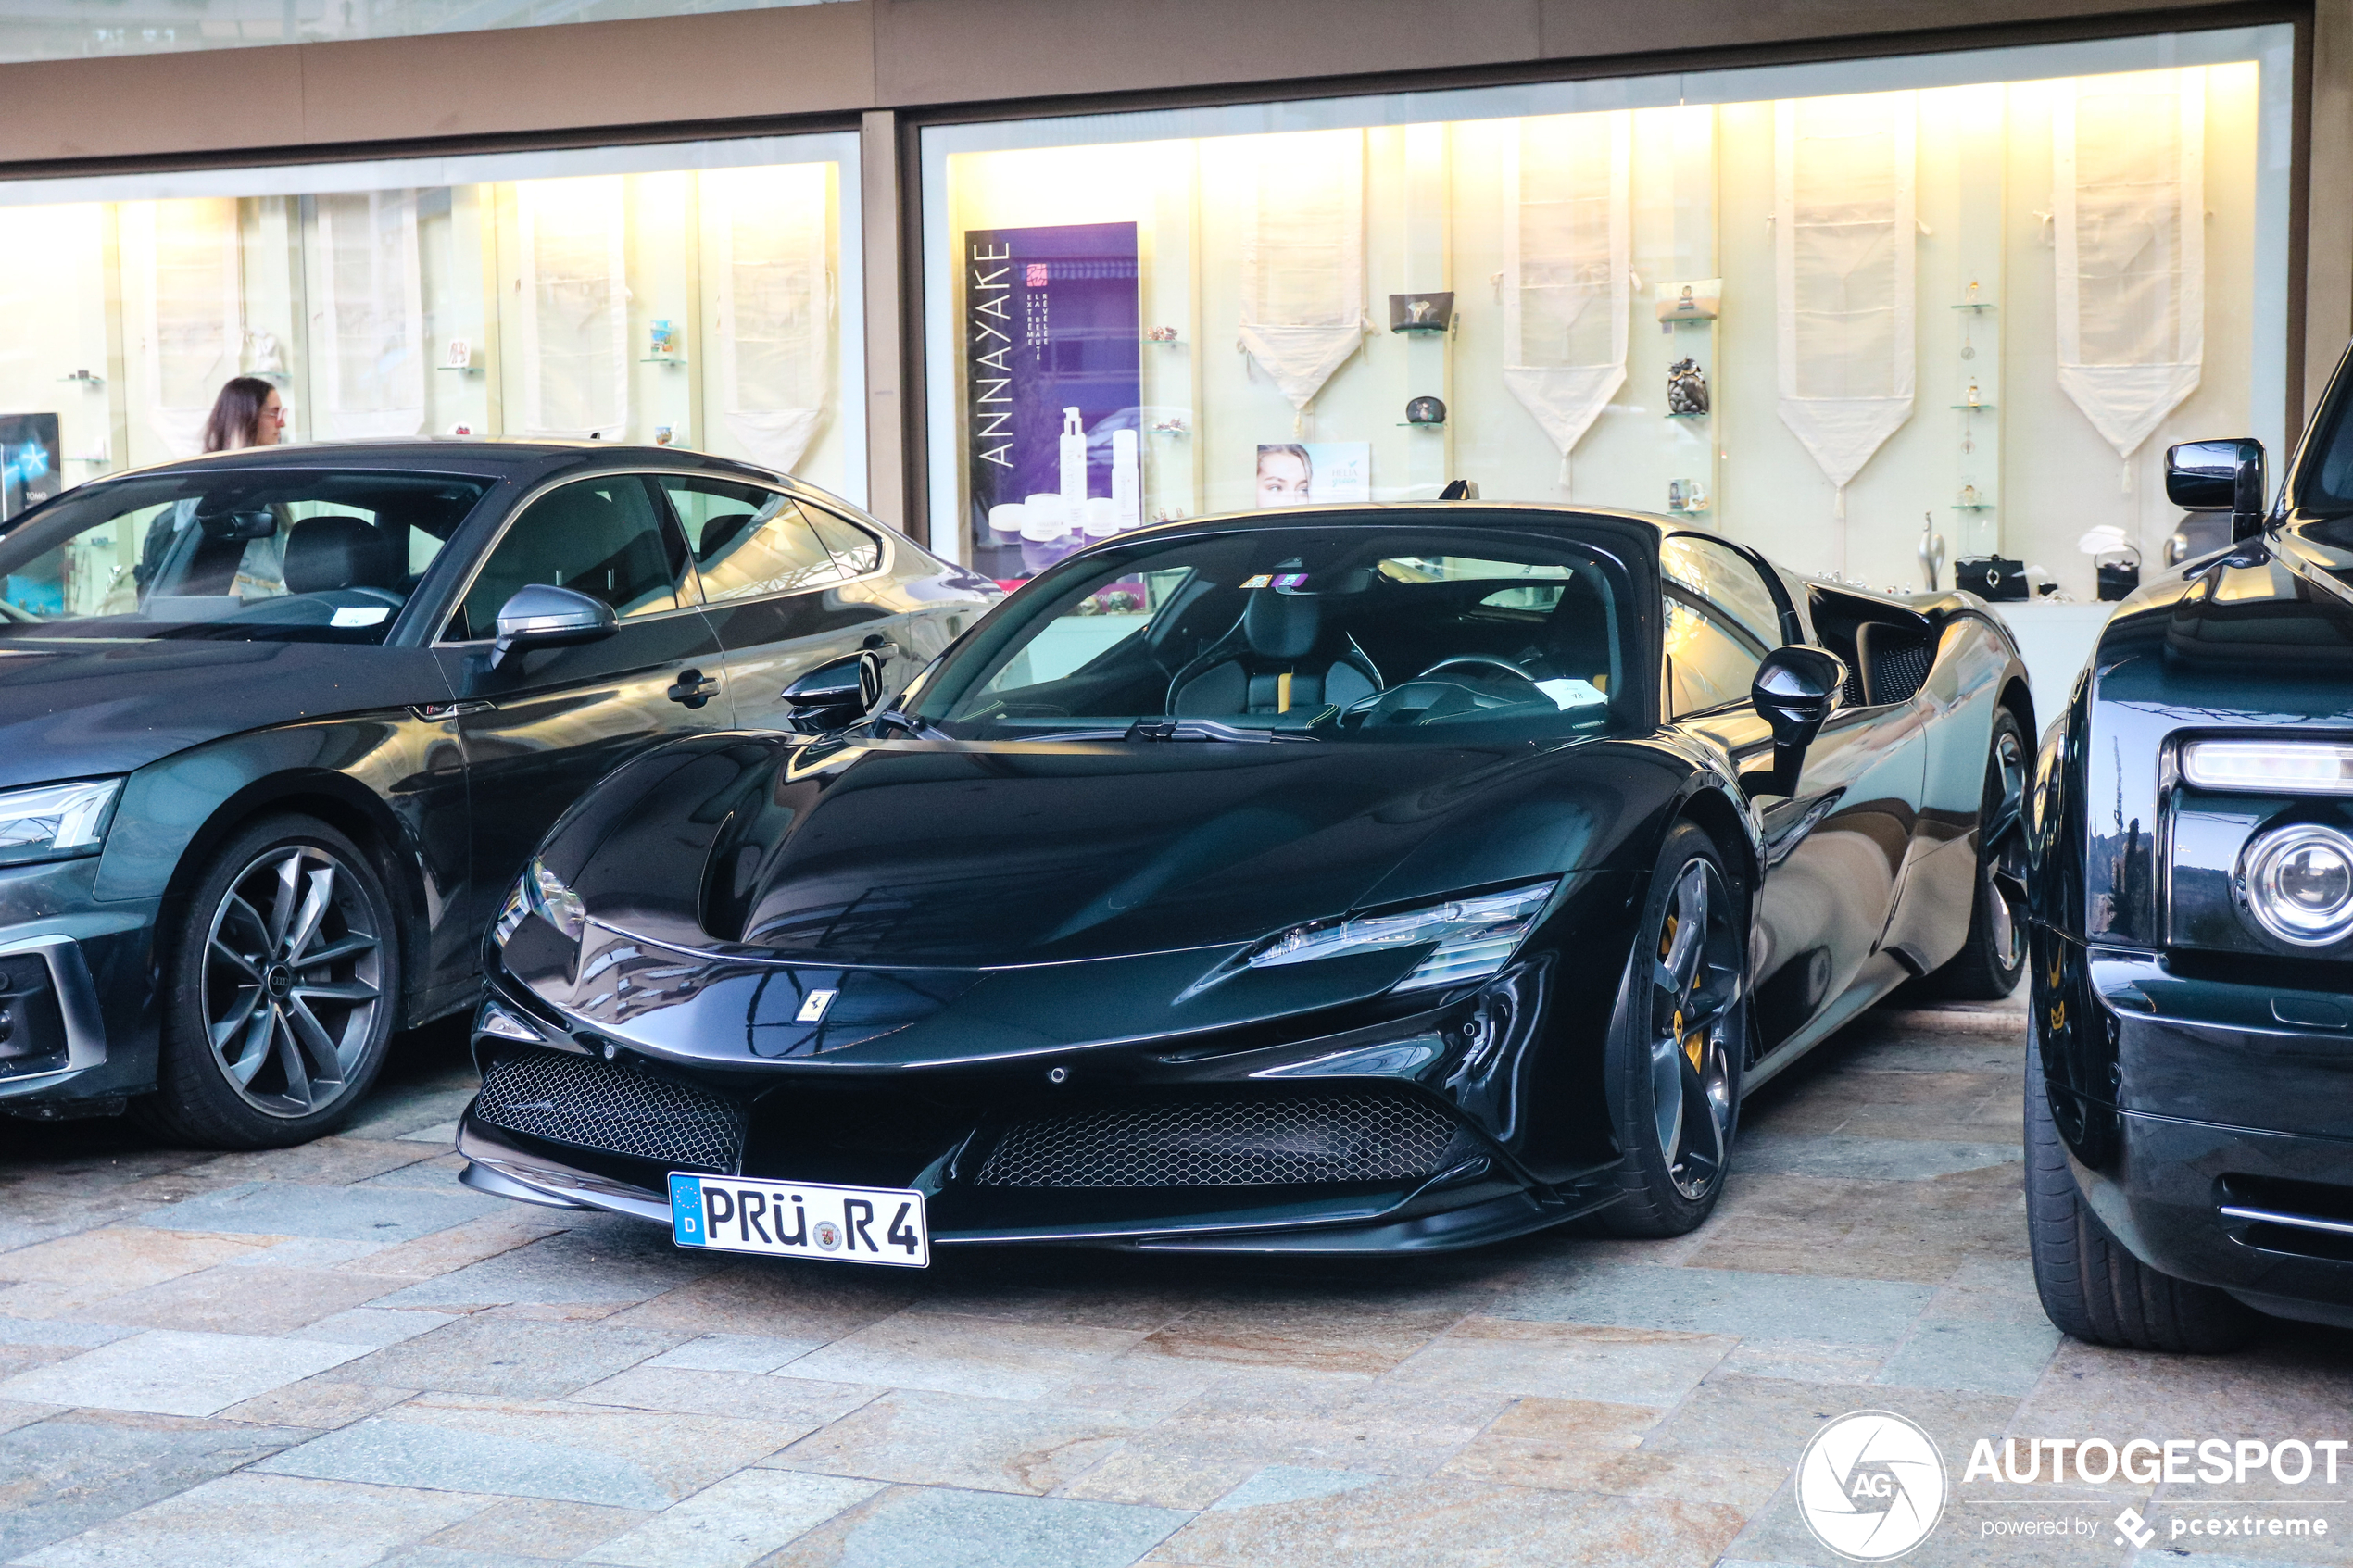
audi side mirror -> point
(1796, 691)
(2219, 476)
(543, 616)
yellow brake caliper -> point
(1693, 1042)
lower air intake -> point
(1228, 1143)
(571, 1100)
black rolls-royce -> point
(2189, 1099)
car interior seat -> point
(1283, 655)
(345, 557)
(1577, 638)
(595, 544)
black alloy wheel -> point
(282, 991)
(1678, 1042)
(2092, 1288)
(1994, 958)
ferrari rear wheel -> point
(1989, 964)
(1678, 1044)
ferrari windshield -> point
(254, 553)
(1330, 633)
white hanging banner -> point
(371, 322)
(574, 308)
(1304, 259)
(765, 232)
(187, 309)
(2128, 172)
(1844, 228)
(1566, 269)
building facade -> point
(1019, 274)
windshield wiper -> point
(1210, 729)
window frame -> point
(885, 561)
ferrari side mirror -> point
(2215, 476)
(543, 616)
(1796, 690)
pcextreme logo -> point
(1870, 1485)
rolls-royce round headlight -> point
(2298, 881)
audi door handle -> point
(693, 688)
(878, 643)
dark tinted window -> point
(748, 542)
(601, 537)
(231, 552)
(858, 551)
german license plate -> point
(800, 1220)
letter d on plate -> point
(685, 1210)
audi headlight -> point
(52, 822)
(541, 892)
(1476, 936)
(2298, 882)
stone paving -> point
(334, 1357)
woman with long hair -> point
(247, 413)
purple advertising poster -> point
(1050, 325)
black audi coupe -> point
(280, 725)
(1329, 880)
(2189, 1105)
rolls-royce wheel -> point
(2093, 1288)
(1677, 1042)
(1989, 964)
(280, 988)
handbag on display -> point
(1991, 577)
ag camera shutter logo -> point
(1871, 1486)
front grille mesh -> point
(574, 1100)
(1225, 1143)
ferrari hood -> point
(936, 853)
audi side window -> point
(748, 542)
(601, 537)
(857, 551)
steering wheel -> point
(1487, 660)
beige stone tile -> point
(956, 1355)
(256, 1521)
(794, 1402)
(15, 1413)
(950, 1440)
(1584, 1424)
(241, 1299)
(15, 1359)
(1770, 1419)
(315, 1401)
(1384, 1427)
(1735, 1480)
(680, 1453)
(116, 1258)
(1323, 1335)
(1805, 1360)
(1564, 1360)
(537, 1527)
(819, 1302)
(2294, 1381)
(447, 1251)
(1452, 1523)
(1161, 1478)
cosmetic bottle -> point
(1074, 465)
(1126, 480)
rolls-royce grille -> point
(1225, 1143)
(571, 1100)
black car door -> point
(782, 598)
(1835, 849)
(541, 729)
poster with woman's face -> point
(1295, 473)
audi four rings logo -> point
(1870, 1485)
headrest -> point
(1280, 625)
(341, 551)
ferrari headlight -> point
(51, 821)
(541, 892)
(1476, 936)
(2299, 883)
(2273, 767)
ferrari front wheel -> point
(1678, 1042)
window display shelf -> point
(1975, 408)
(662, 359)
(1972, 506)
(1981, 305)
(1708, 415)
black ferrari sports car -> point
(2189, 1107)
(1332, 880)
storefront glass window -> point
(701, 294)
(1838, 311)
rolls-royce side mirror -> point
(1796, 691)
(2219, 476)
(543, 616)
